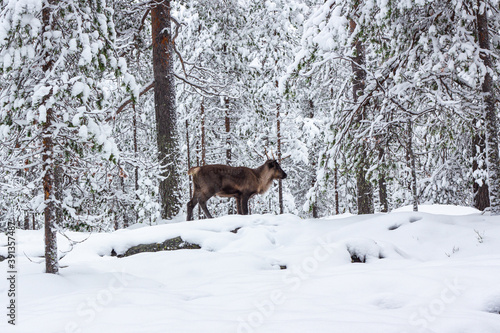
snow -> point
(441, 209)
(429, 271)
(83, 132)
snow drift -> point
(417, 272)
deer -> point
(226, 181)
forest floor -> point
(432, 271)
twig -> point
(36, 262)
(72, 243)
(126, 102)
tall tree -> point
(490, 112)
(49, 155)
(365, 191)
(479, 172)
(57, 59)
(165, 110)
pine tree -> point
(58, 62)
(166, 114)
(490, 112)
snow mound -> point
(422, 272)
(441, 209)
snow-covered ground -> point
(431, 271)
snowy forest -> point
(368, 105)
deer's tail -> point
(193, 171)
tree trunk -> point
(278, 133)
(410, 157)
(58, 186)
(188, 158)
(490, 114)
(364, 187)
(382, 186)
(27, 221)
(136, 168)
(48, 156)
(203, 148)
(51, 259)
(481, 192)
(312, 158)
(203, 144)
(165, 110)
(227, 123)
(336, 185)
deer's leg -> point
(190, 205)
(238, 204)
(244, 204)
(203, 204)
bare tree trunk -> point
(278, 133)
(166, 119)
(364, 186)
(227, 123)
(410, 157)
(313, 158)
(136, 168)
(116, 221)
(51, 259)
(58, 185)
(126, 207)
(382, 186)
(48, 156)
(27, 221)
(203, 144)
(490, 113)
(481, 192)
(203, 150)
(188, 158)
(336, 185)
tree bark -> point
(202, 151)
(58, 186)
(51, 258)
(312, 158)
(203, 144)
(164, 96)
(278, 133)
(136, 168)
(48, 156)
(481, 192)
(490, 114)
(227, 124)
(27, 221)
(410, 156)
(188, 158)
(336, 185)
(364, 187)
(382, 185)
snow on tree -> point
(58, 63)
(378, 104)
(422, 66)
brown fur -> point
(234, 182)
